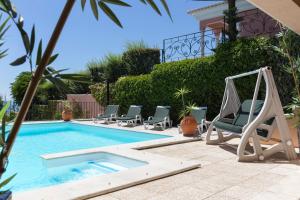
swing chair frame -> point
(271, 109)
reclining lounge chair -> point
(160, 119)
(253, 120)
(200, 116)
(109, 115)
(132, 117)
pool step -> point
(108, 167)
(112, 166)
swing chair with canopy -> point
(254, 120)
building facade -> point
(212, 27)
(253, 22)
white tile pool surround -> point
(158, 167)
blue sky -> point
(84, 38)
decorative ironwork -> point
(255, 22)
(191, 45)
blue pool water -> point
(35, 140)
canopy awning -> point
(286, 12)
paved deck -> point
(220, 177)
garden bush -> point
(19, 86)
(205, 78)
(250, 54)
(99, 92)
(140, 60)
(134, 90)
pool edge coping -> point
(130, 150)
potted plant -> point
(188, 123)
(67, 111)
(288, 47)
(4, 194)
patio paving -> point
(220, 177)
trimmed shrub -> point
(205, 78)
(250, 54)
(197, 75)
(99, 92)
(134, 90)
(19, 86)
(140, 60)
(114, 67)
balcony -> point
(253, 23)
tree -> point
(109, 68)
(105, 71)
(95, 70)
(140, 58)
(45, 91)
(6, 6)
(19, 86)
(114, 67)
(231, 19)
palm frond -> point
(104, 7)
(3, 29)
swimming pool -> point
(35, 140)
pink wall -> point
(254, 22)
(87, 103)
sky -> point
(84, 38)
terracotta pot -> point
(66, 115)
(188, 126)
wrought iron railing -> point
(253, 23)
(191, 45)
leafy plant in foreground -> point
(288, 46)
(29, 40)
(3, 141)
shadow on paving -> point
(278, 158)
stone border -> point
(158, 167)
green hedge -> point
(140, 60)
(196, 75)
(250, 54)
(204, 77)
(134, 90)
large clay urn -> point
(188, 126)
(66, 115)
